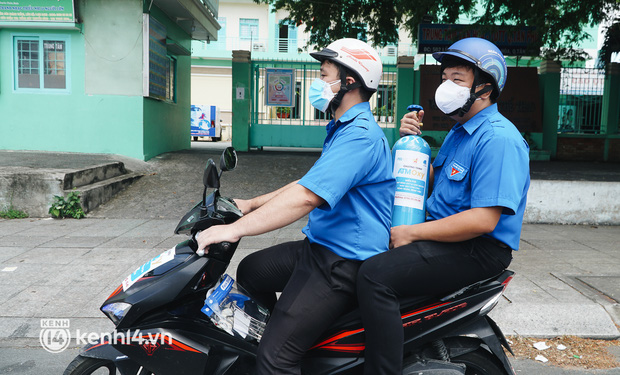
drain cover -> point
(608, 285)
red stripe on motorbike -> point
(355, 348)
(116, 291)
(337, 337)
(177, 345)
(329, 343)
(98, 345)
(120, 287)
(424, 309)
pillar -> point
(550, 74)
(610, 114)
(241, 100)
(404, 91)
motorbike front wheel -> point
(94, 366)
(480, 362)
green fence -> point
(302, 125)
(581, 100)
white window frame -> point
(251, 25)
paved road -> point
(66, 268)
(24, 360)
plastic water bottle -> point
(411, 158)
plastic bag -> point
(230, 309)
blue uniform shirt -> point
(483, 163)
(354, 177)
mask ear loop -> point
(335, 102)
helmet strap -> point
(472, 96)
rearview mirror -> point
(211, 178)
(228, 161)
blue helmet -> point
(484, 55)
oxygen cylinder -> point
(411, 158)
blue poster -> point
(202, 121)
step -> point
(97, 193)
(32, 190)
(93, 175)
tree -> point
(560, 24)
(611, 43)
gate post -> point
(404, 91)
(611, 99)
(241, 99)
(550, 75)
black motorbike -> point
(180, 314)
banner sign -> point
(511, 40)
(37, 10)
(280, 83)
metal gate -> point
(302, 125)
(581, 100)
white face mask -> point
(450, 97)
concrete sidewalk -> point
(567, 276)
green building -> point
(99, 76)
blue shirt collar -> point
(349, 115)
(480, 117)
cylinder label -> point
(410, 172)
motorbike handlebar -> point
(216, 250)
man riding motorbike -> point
(348, 195)
(475, 210)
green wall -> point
(104, 110)
(71, 121)
(166, 124)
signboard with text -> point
(511, 40)
(37, 11)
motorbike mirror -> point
(228, 161)
(211, 178)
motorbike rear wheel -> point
(94, 366)
(480, 362)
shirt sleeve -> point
(343, 165)
(501, 166)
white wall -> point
(213, 86)
(573, 202)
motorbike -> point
(179, 313)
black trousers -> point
(317, 287)
(417, 269)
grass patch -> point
(12, 213)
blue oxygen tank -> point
(411, 158)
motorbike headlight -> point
(116, 311)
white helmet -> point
(357, 56)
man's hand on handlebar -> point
(213, 235)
